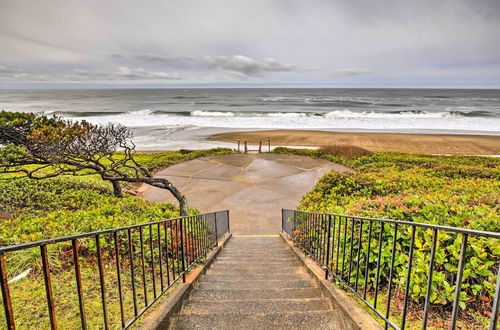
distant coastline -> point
(447, 144)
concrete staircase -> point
(256, 283)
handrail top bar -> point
(23, 246)
(416, 224)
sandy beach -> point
(399, 142)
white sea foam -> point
(200, 113)
(332, 120)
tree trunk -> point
(155, 182)
(165, 184)
(117, 188)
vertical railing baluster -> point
(174, 249)
(183, 257)
(167, 264)
(429, 280)
(338, 246)
(102, 282)
(408, 278)
(144, 285)
(332, 253)
(158, 239)
(458, 285)
(496, 303)
(379, 255)
(367, 260)
(329, 227)
(48, 287)
(216, 231)
(7, 301)
(359, 253)
(391, 274)
(351, 251)
(78, 277)
(132, 271)
(153, 268)
(118, 275)
(343, 248)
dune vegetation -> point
(32, 210)
(458, 191)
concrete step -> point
(312, 320)
(260, 249)
(255, 306)
(254, 270)
(256, 259)
(255, 267)
(248, 277)
(237, 263)
(260, 255)
(222, 295)
(255, 284)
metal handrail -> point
(330, 238)
(175, 246)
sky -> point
(256, 43)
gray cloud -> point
(350, 72)
(237, 64)
(279, 41)
(82, 75)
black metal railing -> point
(126, 269)
(398, 267)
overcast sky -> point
(325, 43)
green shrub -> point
(457, 191)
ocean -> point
(180, 118)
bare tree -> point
(41, 147)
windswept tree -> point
(40, 147)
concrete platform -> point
(255, 187)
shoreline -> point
(452, 144)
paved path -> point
(254, 187)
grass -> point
(35, 210)
(457, 191)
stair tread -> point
(283, 320)
(241, 294)
(255, 306)
(265, 276)
(255, 285)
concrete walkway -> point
(254, 187)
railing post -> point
(216, 235)
(328, 245)
(228, 226)
(282, 220)
(268, 143)
(48, 286)
(7, 302)
(458, 284)
(260, 147)
(246, 147)
(496, 303)
(183, 257)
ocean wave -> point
(409, 113)
(345, 114)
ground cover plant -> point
(32, 210)
(458, 191)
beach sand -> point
(399, 142)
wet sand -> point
(399, 142)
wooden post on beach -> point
(246, 147)
(268, 143)
(238, 144)
(260, 147)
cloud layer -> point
(261, 42)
